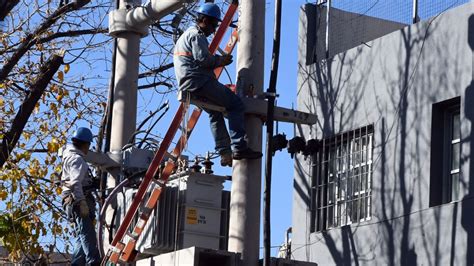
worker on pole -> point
(194, 67)
(77, 197)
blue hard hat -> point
(83, 134)
(211, 10)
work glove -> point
(83, 209)
(226, 60)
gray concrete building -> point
(390, 183)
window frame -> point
(342, 179)
(442, 188)
(451, 190)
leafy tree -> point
(68, 41)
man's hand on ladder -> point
(227, 59)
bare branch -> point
(155, 71)
(31, 38)
(72, 33)
(38, 150)
(152, 85)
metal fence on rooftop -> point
(393, 10)
(400, 11)
(355, 22)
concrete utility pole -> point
(244, 228)
(128, 24)
(126, 79)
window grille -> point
(342, 180)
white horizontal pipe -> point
(152, 11)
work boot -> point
(226, 159)
(246, 154)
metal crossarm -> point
(125, 252)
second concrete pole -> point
(244, 227)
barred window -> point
(342, 180)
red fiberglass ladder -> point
(121, 252)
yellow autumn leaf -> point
(2, 102)
(54, 108)
(26, 135)
(37, 108)
(66, 68)
(61, 76)
(53, 146)
(3, 195)
(59, 190)
(59, 97)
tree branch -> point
(72, 33)
(37, 89)
(31, 38)
(155, 71)
(152, 85)
(6, 6)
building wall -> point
(391, 82)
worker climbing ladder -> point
(124, 251)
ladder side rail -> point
(228, 49)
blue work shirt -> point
(193, 63)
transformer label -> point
(191, 216)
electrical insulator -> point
(196, 168)
(295, 145)
(207, 165)
(312, 147)
(279, 142)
